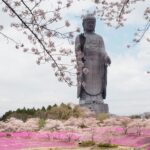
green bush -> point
(107, 145)
(102, 116)
(41, 123)
(76, 112)
(62, 113)
(87, 143)
(135, 116)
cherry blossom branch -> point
(36, 5)
(122, 9)
(114, 15)
(44, 27)
(36, 36)
(28, 9)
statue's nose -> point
(91, 25)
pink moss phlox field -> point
(114, 135)
(19, 140)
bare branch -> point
(145, 30)
(8, 38)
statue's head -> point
(89, 23)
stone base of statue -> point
(96, 106)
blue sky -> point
(23, 83)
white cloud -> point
(144, 51)
(128, 85)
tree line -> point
(62, 112)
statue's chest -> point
(92, 42)
(92, 49)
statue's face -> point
(89, 25)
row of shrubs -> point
(100, 145)
(61, 112)
(145, 115)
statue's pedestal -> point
(96, 106)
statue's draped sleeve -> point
(102, 48)
(78, 54)
(77, 45)
(104, 78)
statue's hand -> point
(107, 60)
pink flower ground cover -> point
(20, 140)
(114, 135)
